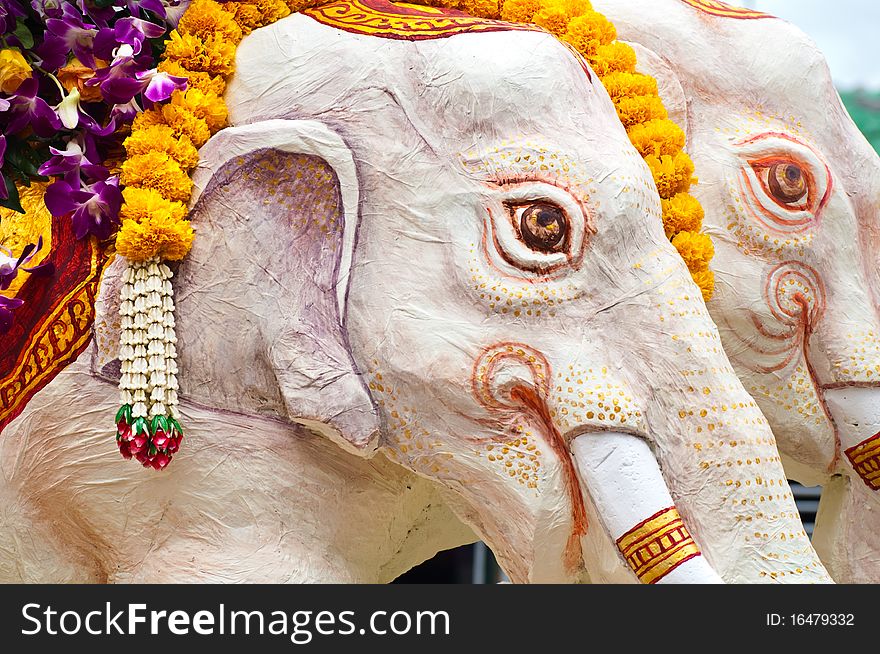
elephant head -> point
(432, 248)
(790, 188)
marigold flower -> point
(144, 205)
(705, 279)
(588, 32)
(482, 8)
(213, 55)
(681, 213)
(251, 14)
(162, 236)
(672, 174)
(622, 84)
(695, 248)
(657, 136)
(148, 118)
(301, 5)
(156, 170)
(205, 82)
(14, 69)
(185, 122)
(161, 138)
(206, 18)
(520, 11)
(553, 18)
(639, 109)
(612, 58)
(207, 106)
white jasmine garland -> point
(147, 421)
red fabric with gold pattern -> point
(404, 21)
(724, 10)
(55, 323)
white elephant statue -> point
(790, 190)
(429, 272)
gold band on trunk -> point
(865, 458)
(657, 545)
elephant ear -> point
(668, 84)
(276, 208)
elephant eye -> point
(535, 229)
(786, 182)
(542, 226)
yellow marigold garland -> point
(202, 48)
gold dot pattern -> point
(405, 440)
(863, 354)
(519, 458)
(724, 427)
(594, 396)
(796, 394)
(304, 186)
(517, 300)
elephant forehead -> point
(491, 83)
(725, 58)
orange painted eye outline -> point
(767, 169)
(764, 154)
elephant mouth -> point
(538, 410)
(855, 410)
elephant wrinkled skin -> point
(446, 252)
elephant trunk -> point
(704, 494)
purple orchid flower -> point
(75, 35)
(100, 16)
(160, 86)
(158, 7)
(134, 31)
(9, 12)
(124, 79)
(94, 208)
(7, 304)
(51, 53)
(93, 127)
(174, 10)
(70, 163)
(27, 109)
(48, 8)
(125, 113)
(9, 265)
(4, 192)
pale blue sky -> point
(847, 31)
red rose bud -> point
(123, 430)
(160, 439)
(124, 449)
(160, 460)
(173, 444)
(138, 443)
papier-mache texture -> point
(438, 273)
